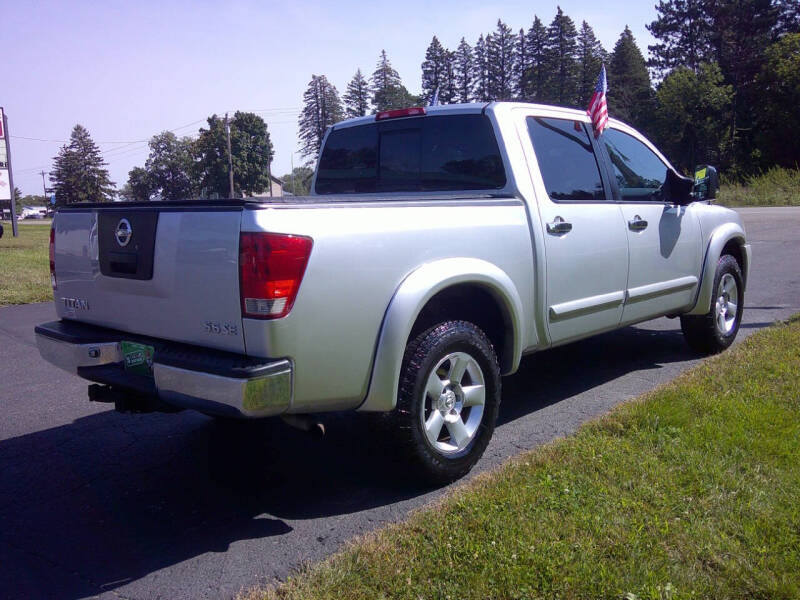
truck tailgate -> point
(169, 272)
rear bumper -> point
(209, 381)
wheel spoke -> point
(732, 309)
(434, 386)
(433, 426)
(721, 321)
(458, 364)
(458, 432)
(728, 284)
(474, 395)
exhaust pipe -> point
(305, 423)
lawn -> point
(688, 492)
(24, 270)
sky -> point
(129, 70)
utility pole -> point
(269, 172)
(294, 188)
(230, 157)
(7, 141)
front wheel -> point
(448, 400)
(714, 331)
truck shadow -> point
(108, 499)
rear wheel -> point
(714, 331)
(448, 400)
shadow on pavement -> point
(103, 501)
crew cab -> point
(438, 246)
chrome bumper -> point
(266, 394)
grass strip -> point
(691, 491)
(24, 264)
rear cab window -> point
(566, 159)
(421, 154)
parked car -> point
(437, 247)
(33, 212)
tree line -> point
(176, 167)
(721, 83)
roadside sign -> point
(5, 185)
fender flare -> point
(408, 301)
(720, 236)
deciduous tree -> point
(691, 120)
(170, 167)
(251, 151)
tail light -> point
(417, 111)
(53, 255)
(271, 267)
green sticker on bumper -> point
(138, 358)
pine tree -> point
(481, 71)
(388, 91)
(562, 64)
(522, 65)
(630, 95)
(590, 58)
(434, 69)
(463, 67)
(535, 87)
(79, 173)
(321, 109)
(448, 94)
(500, 68)
(356, 97)
(684, 30)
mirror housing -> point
(706, 182)
(678, 189)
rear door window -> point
(566, 159)
(432, 153)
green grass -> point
(776, 187)
(24, 268)
(692, 491)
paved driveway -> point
(176, 506)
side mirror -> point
(706, 182)
(678, 189)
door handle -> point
(559, 226)
(637, 223)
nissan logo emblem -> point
(123, 232)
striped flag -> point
(598, 109)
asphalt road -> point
(175, 506)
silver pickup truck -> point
(437, 247)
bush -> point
(776, 187)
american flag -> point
(598, 109)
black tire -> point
(703, 333)
(444, 461)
